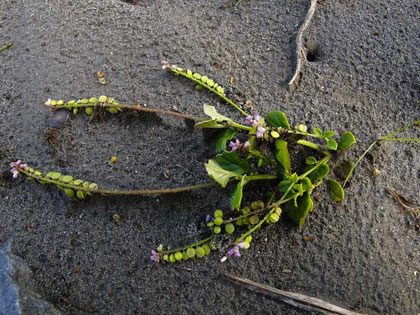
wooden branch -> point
(300, 49)
(296, 299)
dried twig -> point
(296, 299)
(403, 202)
(300, 49)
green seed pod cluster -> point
(64, 181)
(216, 224)
(189, 253)
(202, 79)
(109, 103)
(275, 216)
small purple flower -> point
(155, 256)
(235, 145)
(242, 245)
(16, 166)
(234, 252)
(260, 132)
(208, 218)
(248, 120)
(256, 119)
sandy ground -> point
(364, 254)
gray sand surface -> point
(365, 254)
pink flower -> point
(235, 145)
(235, 250)
(260, 132)
(155, 256)
(16, 166)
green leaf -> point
(329, 134)
(218, 174)
(319, 173)
(223, 138)
(332, 144)
(306, 183)
(294, 178)
(318, 132)
(310, 160)
(299, 213)
(212, 112)
(210, 124)
(282, 155)
(283, 185)
(235, 202)
(278, 119)
(230, 161)
(336, 190)
(346, 141)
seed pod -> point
(53, 103)
(93, 186)
(217, 229)
(75, 110)
(102, 99)
(178, 256)
(89, 111)
(80, 194)
(210, 83)
(72, 102)
(38, 173)
(274, 217)
(229, 228)
(218, 214)
(60, 102)
(84, 101)
(69, 192)
(93, 100)
(218, 221)
(172, 258)
(112, 110)
(206, 248)
(189, 73)
(254, 219)
(204, 79)
(77, 182)
(185, 256)
(190, 252)
(220, 89)
(200, 252)
(66, 179)
(197, 76)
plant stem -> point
(135, 107)
(261, 177)
(205, 240)
(281, 201)
(6, 46)
(400, 139)
(199, 82)
(239, 126)
(116, 192)
(386, 138)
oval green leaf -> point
(336, 190)
(278, 119)
(346, 141)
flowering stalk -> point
(203, 81)
(109, 104)
(80, 188)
